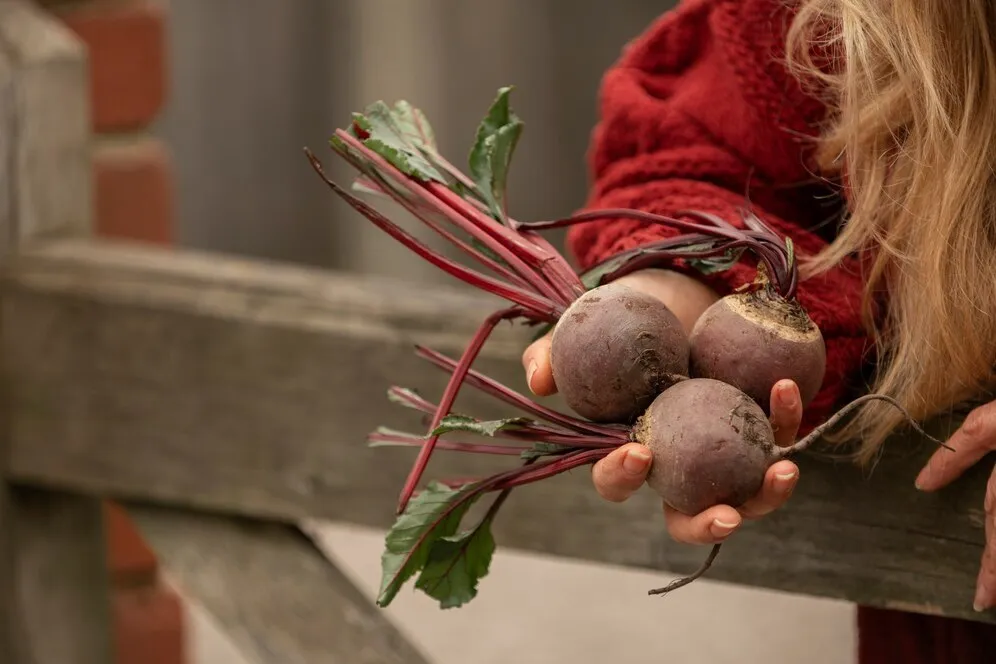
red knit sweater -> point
(699, 113)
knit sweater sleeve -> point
(698, 113)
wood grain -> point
(202, 381)
(54, 605)
(47, 160)
(271, 590)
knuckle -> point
(980, 422)
(606, 487)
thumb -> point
(622, 472)
(539, 371)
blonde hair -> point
(912, 128)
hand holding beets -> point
(624, 471)
(699, 397)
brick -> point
(127, 53)
(148, 626)
(133, 196)
(130, 560)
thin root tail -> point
(685, 580)
(818, 432)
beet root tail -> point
(685, 580)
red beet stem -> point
(556, 466)
(460, 370)
(424, 213)
(411, 399)
(540, 307)
(763, 241)
(531, 431)
(556, 269)
(409, 440)
(560, 266)
(509, 396)
(507, 244)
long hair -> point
(911, 87)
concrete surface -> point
(541, 610)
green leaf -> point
(543, 449)
(433, 514)
(497, 136)
(471, 425)
(592, 278)
(790, 250)
(716, 264)
(456, 564)
(487, 251)
(401, 135)
(415, 126)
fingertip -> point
(539, 373)
(622, 472)
(786, 411)
(708, 527)
(785, 395)
(725, 515)
(784, 470)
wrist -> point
(686, 296)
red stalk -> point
(554, 467)
(460, 371)
(562, 275)
(542, 308)
(424, 212)
(408, 440)
(439, 198)
(513, 398)
(760, 237)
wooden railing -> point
(225, 401)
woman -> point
(881, 112)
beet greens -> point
(394, 151)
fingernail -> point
(721, 528)
(636, 461)
(786, 395)
(530, 372)
(980, 598)
(785, 477)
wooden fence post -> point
(53, 589)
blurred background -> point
(253, 81)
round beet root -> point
(753, 340)
(711, 445)
(614, 350)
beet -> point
(614, 350)
(711, 445)
(752, 340)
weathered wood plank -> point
(62, 614)
(53, 591)
(44, 126)
(201, 380)
(272, 591)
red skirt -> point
(897, 637)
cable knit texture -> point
(698, 108)
(701, 113)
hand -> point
(972, 441)
(624, 471)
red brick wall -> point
(133, 199)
